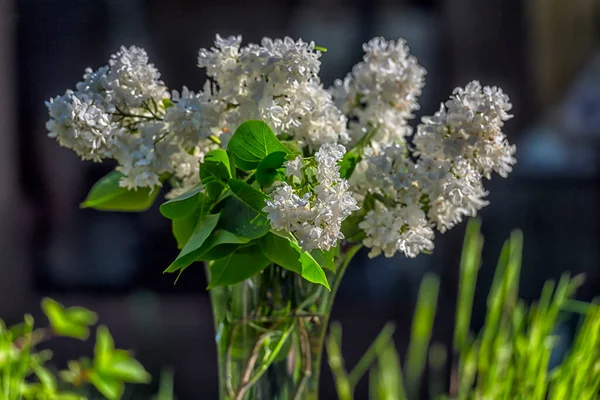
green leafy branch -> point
(222, 223)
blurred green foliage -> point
(508, 359)
(23, 371)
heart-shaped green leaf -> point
(290, 256)
(183, 228)
(270, 168)
(326, 259)
(206, 224)
(220, 244)
(242, 213)
(248, 195)
(108, 195)
(251, 143)
(237, 267)
(215, 171)
(185, 204)
(348, 164)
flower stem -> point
(247, 380)
(306, 359)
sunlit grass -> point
(509, 358)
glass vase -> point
(270, 331)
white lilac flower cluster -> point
(277, 82)
(313, 215)
(124, 112)
(407, 184)
(437, 180)
(118, 112)
(470, 125)
(381, 91)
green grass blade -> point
(421, 333)
(469, 268)
(390, 385)
(166, 389)
(438, 357)
(336, 362)
(371, 355)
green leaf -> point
(113, 367)
(183, 228)
(220, 251)
(220, 244)
(109, 387)
(325, 259)
(291, 257)
(65, 324)
(215, 171)
(348, 164)
(47, 379)
(242, 213)
(185, 204)
(321, 49)
(82, 315)
(237, 267)
(269, 169)
(206, 224)
(124, 367)
(252, 142)
(167, 103)
(107, 195)
(248, 195)
(105, 345)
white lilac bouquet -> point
(276, 182)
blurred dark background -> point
(544, 53)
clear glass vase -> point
(270, 331)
